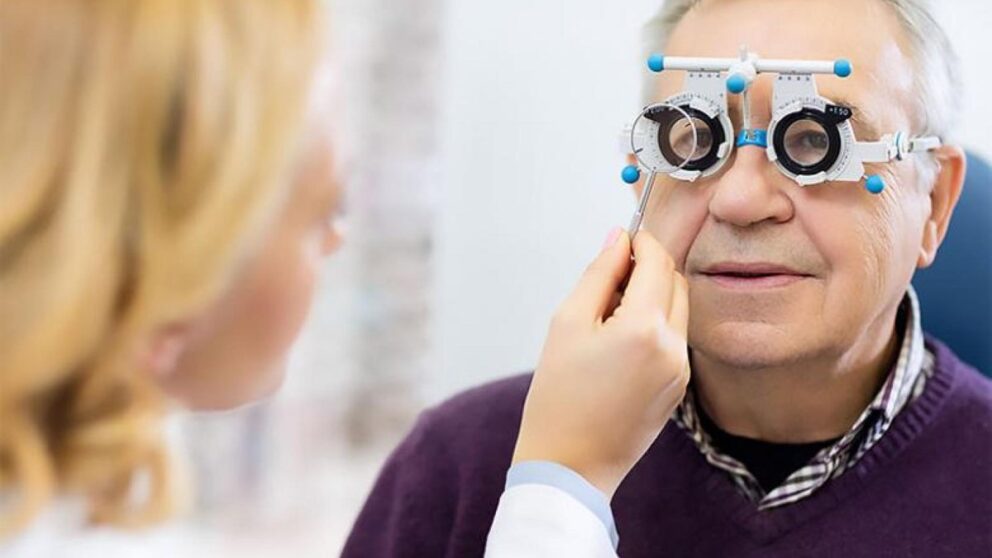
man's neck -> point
(807, 402)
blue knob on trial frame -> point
(842, 68)
(875, 184)
(736, 84)
(656, 63)
(631, 174)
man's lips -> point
(756, 275)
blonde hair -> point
(143, 146)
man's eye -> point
(806, 143)
(682, 143)
(809, 140)
(816, 141)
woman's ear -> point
(161, 355)
(943, 198)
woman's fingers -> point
(678, 318)
(601, 395)
(594, 295)
(652, 281)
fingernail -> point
(612, 238)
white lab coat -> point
(532, 521)
(541, 521)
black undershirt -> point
(769, 463)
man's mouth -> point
(748, 276)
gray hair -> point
(937, 68)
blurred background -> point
(483, 173)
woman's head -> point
(163, 211)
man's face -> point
(846, 256)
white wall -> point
(534, 94)
(534, 98)
(969, 23)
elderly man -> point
(820, 420)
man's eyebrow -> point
(860, 119)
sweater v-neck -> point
(765, 526)
(770, 463)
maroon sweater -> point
(924, 490)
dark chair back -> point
(956, 291)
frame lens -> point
(674, 130)
(807, 142)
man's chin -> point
(748, 345)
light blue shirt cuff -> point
(558, 476)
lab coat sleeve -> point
(549, 511)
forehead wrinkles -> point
(883, 79)
(870, 102)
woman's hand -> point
(614, 365)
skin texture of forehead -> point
(866, 32)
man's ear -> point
(943, 198)
(639, 185)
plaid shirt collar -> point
(904, 383)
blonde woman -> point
(165, 183)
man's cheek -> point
(880, 246)
(678, 235)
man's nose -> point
(747, 193)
